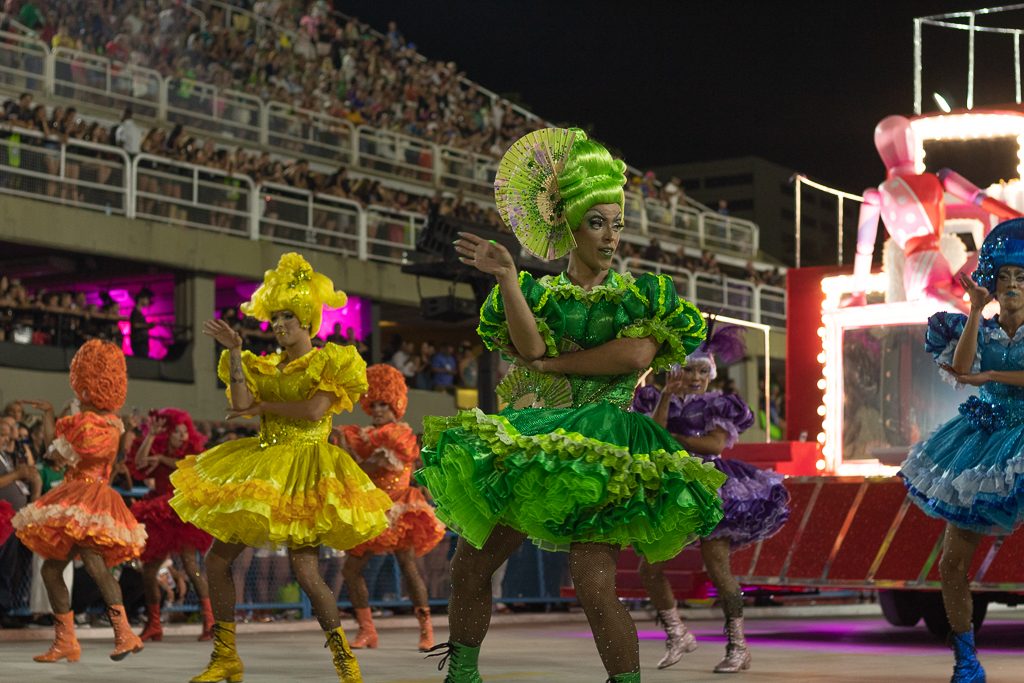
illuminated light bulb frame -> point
(835, 321)
(969, 126)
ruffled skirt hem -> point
(968, 477)
(6, 528)
(167, 533)
(755, 501)
(595, 474)
(412, 525)
(53, 531)
(292, 496)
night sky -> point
(800, 83)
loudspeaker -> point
(447, 308)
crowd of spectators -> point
(436, 367)
(706, 263)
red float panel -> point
(775, 550)
(911, 547)
(882, 500)
(815, 545)
(1008, 565)
(740, 560)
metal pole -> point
(970, 63)
(1016, 66)
(917, 67)
(797, 231)
(839, 223)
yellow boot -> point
(344, 660)
(224, 662)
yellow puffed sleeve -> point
(338, 370)
(249, 359)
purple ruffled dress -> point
(755, 501)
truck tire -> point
(900, 608)
(935, 614)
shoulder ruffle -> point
(702, 413)
(493, 328)
(940, 339)
(338, 370)
(88, 433)
(660, 313)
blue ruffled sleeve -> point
(944, 331)
(672, 321)
(493, 328)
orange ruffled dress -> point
(83, 511)
(287, 486)
(389, 452)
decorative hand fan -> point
(527, 196)
(524, 388)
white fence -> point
(28, 64)
(103, 178)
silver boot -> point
(678, 639)
(737, 656)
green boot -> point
(629, 677)
(461, 660)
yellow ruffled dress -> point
(287, 486)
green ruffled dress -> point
(565, 462)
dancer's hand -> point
(223, 334)
(979, 296)
(254, 410)
(675, 384)
(487, 256)
(974, 379)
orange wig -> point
(387, 385)
(99, 376)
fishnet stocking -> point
(593, 574)
(469, 610)
(958, 547)
(53, 578)
(97, 569)
(716, 561)
(191, 564)
(657, 586)
(306, 567)
(413, 581)
(353, 573)
(222, 583)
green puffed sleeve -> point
(493, 328)
(659, 312)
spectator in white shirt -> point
(128, 134)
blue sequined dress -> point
(970, 471)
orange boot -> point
(426, 628)
(367, 636)
(125, 642)
(65, 644)
(154, 630)
(208, 620)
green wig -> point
(590, 177)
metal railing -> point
(719, 293)
(101, 177)
(28, 64)
(196, 196)
(73, 173)
(84, 77)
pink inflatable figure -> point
(911, 206)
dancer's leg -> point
(221, 581)
(593, 567)
(958, 548)
(716, 560)
(306, 567)
(97, 569)
(358, 593)
(53, 578)
(190, 561)
(657, 585)
(150, 584)
(413, 581)
(469, 610)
